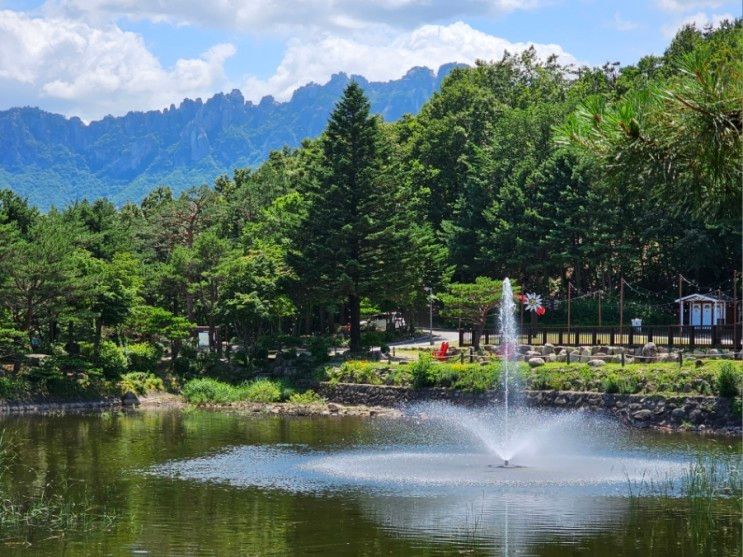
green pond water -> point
(216, 483)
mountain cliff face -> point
(54, 160)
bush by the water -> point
(307, 397)
(263, 390)
(140, 383)
(212, 391)
(14, 388)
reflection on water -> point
(201, 483)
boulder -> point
(536, 362)
(129, 399)
(548, 349)
(596, 363)
(696, 416)
(552, 357)
(649, 351)
(642, 415)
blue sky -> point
(96, 57)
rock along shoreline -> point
(671, 413)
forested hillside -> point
(52, 160)
(517, 168)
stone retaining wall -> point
(684, 413)
(51, 407)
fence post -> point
(593, 338)
(622, 358)
(487, 337)
(736, 335)
(714, 336)
(567, 358)
(528, 336)
(611, 337)
(559, 337)
(631, 337)
(692, 336)
(472, 354)
(461, 338)
(681, 358)
(650, 334)
(544, 336)
(670, 336)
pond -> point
(192, 482)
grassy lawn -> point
(665, 378)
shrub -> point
(211, 391)
(307, 397)
(729, 381)
(13, 343)
(421, 371)
(319, 347)
(370, 339)
(48, 370)
(611, 384)
(140, 383)
(111, 359)
(143, 356)
(263, 390)
(13, 388)
(206, 390)
(357, 371)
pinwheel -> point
(533, 302)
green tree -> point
(352, 238)
(39, 275)
(678, 139)
(473, 303)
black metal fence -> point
(686, 336)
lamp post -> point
(429, 290)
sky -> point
(90, 58)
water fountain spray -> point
(508, 343)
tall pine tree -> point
(351, 236)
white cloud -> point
(700, 20)
(383, 55)
(621, 24)
(259, 15)
(92, 71)
(687, 5)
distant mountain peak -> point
(54, 160)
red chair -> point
(440, 354)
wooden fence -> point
(686, 336)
